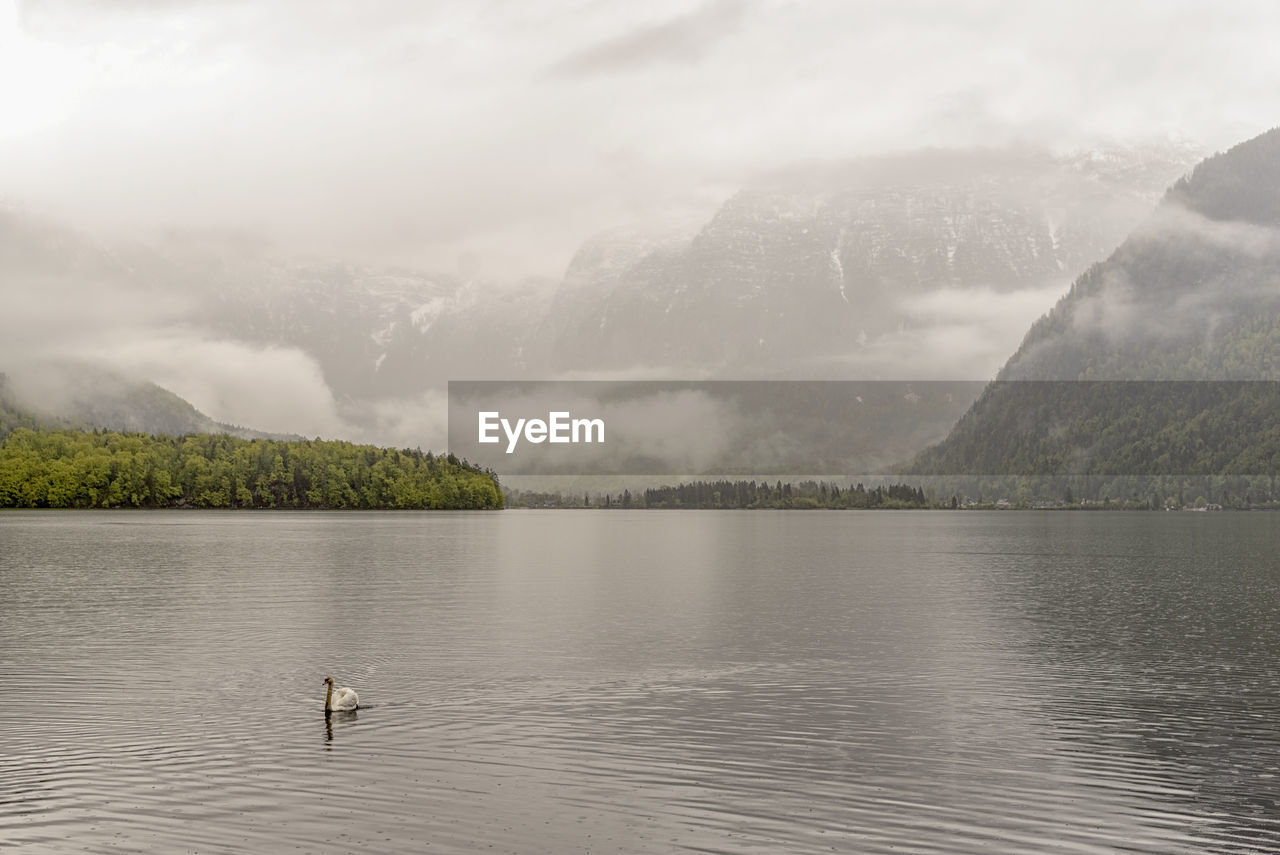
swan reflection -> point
(342, 718)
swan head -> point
(328, 681)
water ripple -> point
(810, 684)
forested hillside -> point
(79, 469)
(1164, 359)
(44, 463)
(1115, 428)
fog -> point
(1177, 280)
(1125, 312)
(489, 140)
(499, 134)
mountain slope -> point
(74, 395)
(1163, 359)
(845, 270)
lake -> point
(640, 681)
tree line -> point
(740, 494)
(805, 494)
(1065, 492)
(106, 469)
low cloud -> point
(1176, 225)
(417, 422)
(274, 389)
(960, 334)
(142, 331)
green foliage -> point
(723, 494)
(807, 495)
(104, 469)
(1114, 428)
(1240, 184)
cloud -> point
(1175, 225)
(274, 389)
(504, 133)
(143, 333)
(417, 422)
(682, 40)
(1180, 275)
(422, 132)
(962, 334)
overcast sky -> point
(493, 135)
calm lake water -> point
(616, 681)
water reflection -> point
(1152, 638)
(343, 718)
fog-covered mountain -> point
(75, 395)
(919, 266)
(234, 323)
(375, 333)
(1162, 359)
(852, 269)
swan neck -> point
(328, 697)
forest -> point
(1113, 428)
(955, 492)
(803, 495)
(107, 469)
(723, 494)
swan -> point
(342, 700)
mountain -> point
(374, 332)
(1162, 359)
(892, 267)
(74, 395)
(845, 270)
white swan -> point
(342, 700)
